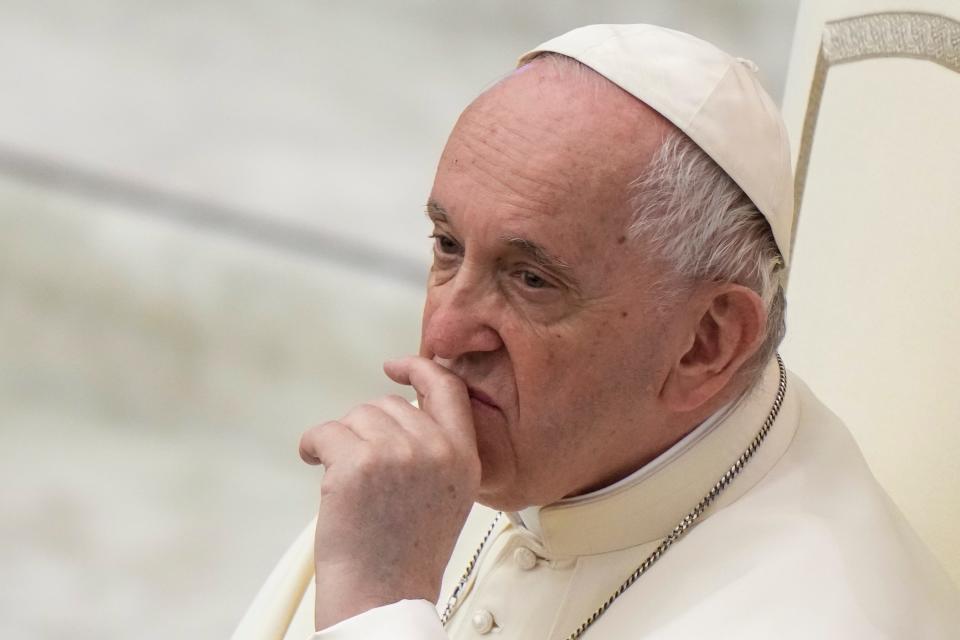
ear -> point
(728, 327)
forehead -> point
(551, 149)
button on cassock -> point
(525, 558)
(482, 621)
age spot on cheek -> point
(621, 239)
(624, 314)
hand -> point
(398, 486)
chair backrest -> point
(873, 108)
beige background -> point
(212, 235)
(874, 306)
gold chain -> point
(452, 601)
(678, 531)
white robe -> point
(803, 544)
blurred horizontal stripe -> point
(252, 226)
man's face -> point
(537, 296)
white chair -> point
(873, 108)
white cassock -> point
(802, 544)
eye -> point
(445, 244)
(533, 281)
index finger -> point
(444, 394)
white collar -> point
(529, 518)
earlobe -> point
(726, 331)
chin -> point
(499, 489)
(503, 490)
(501, 501)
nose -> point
(456, 322)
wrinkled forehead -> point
(575, 100)
(548, 159)
(556, 128)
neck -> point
(677, 429)
(646, 504)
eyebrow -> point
(536, 252)
(436, 212)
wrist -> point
(339, 600)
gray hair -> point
(701, 224)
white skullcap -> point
(712, 97)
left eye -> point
(445, 244)
(533, 281)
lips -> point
(481, 397)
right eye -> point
(445, 244)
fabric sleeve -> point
(403, 620)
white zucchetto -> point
(713, 97)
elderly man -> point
(598, 362)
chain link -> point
(678, 531)
(452, 601)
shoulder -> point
(815, 549)
(819, 534)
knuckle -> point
(442, 454)
(353, 413)
(393, 400)
(305, 446)
(305, 439)
(448, 380)
(450, 384)
(366, 462)
(310, 439)
(361, 413)
(317, 429)
(405, 454)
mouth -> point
(479, 397)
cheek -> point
(554, 373)
(569, 357)
(537, 360)
(428, 307)
(591, 377)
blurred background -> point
(212, 236)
